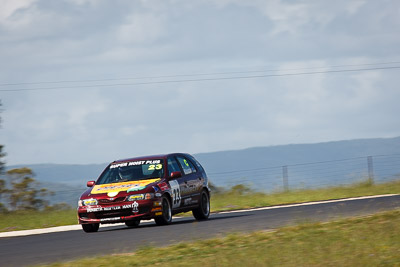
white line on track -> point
(78, 227)
(309, 203)
(53, 230)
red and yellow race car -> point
(151, 187)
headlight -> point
(87, 202)
(135, 197)
(140, 197)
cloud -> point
(142, 29)
(10, 7)
(98, 40)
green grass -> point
(367, 241)
(230, 200)
(236, 199)
(22, 220)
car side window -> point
(199, 167)
(192, 166)
(186, 165)
(173, 166)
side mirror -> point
(90, 183)
(175, 174)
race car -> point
(152, 187)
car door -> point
(192, 183)
(175, 183)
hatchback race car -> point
(151, 187)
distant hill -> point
(309, 165)
(67, 181)
(272, 156)
(257, 165)
(69, 174)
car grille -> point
(111, 214)
(119, 213)
(109, 201)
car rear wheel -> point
(166, 217)
(90, 228)
(203, 211)
(134, 223)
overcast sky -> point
(118, 75)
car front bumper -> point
(120, 212)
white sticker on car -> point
(176, 193)
(135, 206)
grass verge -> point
(240, 198)
(367, 241)
(230, 200)
(23, 220)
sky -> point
(91, 81)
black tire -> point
(203, 211)
(133, 223)
(166, 217)
(90, 228)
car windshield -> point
(132, 171)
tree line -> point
(18, 188)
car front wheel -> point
(203, 211)
(166, 217)
(90, 228)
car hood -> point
(113, 189)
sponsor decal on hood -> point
(113, 189)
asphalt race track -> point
(62, 246)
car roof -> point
(150, 157)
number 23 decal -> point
(153, 167)
(176, 193)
